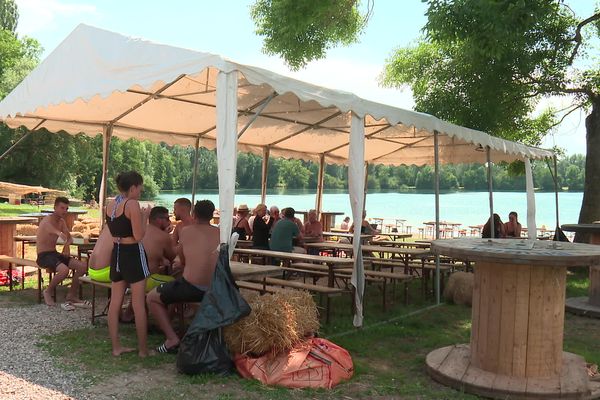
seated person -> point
(486, 232)
(284, 233)
(261, 229)
(274, 215)
(182, 209)
(51, 228)
(198, 251)
(512, 228)
(365, 227)
(345, 225)
(240, 222)
(99, 262)
(313, 230)
(157, 241)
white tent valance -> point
(167, 94)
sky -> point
(224, 27)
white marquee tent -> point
(100, 82)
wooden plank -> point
(521, 321)
(494, 315)
(516, 386)
(536, 356)
(594, 290)
(507, 319)
(482, 334)
(475, 311)
(457, 362)
(476, 380)
(573, 377)
(557, 293)
(435, 358)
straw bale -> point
(77, 234)
(79, 228)
(277, 323)
(94, 232)
(461, 288)
(27, 230)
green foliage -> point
(9, 15)
(302, 31)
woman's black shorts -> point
(128, 263)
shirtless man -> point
(157, 242)
(182, 209)
(198, 252)
(50, 230)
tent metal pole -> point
(261, 108)
(265, 174)
(490, 189)
(556, 190)
(320, 180)
(7, 152)
(106, 139)
(436, 188)
(195, 174)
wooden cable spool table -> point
(587, 305)
(516, 347)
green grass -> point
(11, 210)
(389, 358)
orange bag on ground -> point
(316, 364)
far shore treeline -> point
(74, 163)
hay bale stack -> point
(460, 288)
(79, 227)
(277, 323)
(27, 230)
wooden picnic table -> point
(243, 271)
(587, 305)
(394, 243)
(37, 215)
(516, 347)
(71, 216)
(346, 234)
(331, 262)
(83, 245)
(396, 235)
(8, 229)
(328, 218)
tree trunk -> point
(590, 207)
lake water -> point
(468, 208)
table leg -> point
(10, 276)
(331, 276)
(39, 285)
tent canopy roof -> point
(167, 94)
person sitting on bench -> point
(51, 228)
(198, 251)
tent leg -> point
(490, 189)
(320, 179)
(265, 174)
(436, 188)
(106, 139)
(556, 190)
(195, 174)
(531, 229)
(365, 191)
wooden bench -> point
(323, 291)
(87, 280)
(384, 277)
(23, 262)
(258, 287)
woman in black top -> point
(128, 267)
(260, 228)
(240, 222)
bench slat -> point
(299, 285)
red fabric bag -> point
(318, 363)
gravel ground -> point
(26, 371)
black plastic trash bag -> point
(203, 349)
(559, 235)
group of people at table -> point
(510, 229)
(139, 249)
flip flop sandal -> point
(167, 350)
(67, 306)
(82, 304)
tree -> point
(9, 15)
(485, 63)
(301, 31)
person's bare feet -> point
(122, 350)
(145, 353)
(48, 298)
